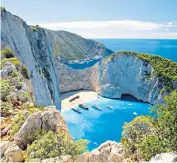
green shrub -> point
(166, 118)
(24, 72)
(77, 147)
(18, 122)
(19, 85)
(14, 74)
(3, 9)
(134, 132)
(7, 52)
(13, 60)
(34, 28)
(5, 107)
(145, 137)
(53, 145)
(151, 145)
(24, 96)
(5, 86)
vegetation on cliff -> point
(164, 69)
(147, 136)
(14, 75)
(49, 144)
(17, 105)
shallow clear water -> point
(83, 65)
(100, 126)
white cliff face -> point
(71, 80)
(32, 49)
(127, 74)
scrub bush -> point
(53, 145)
(5, 87)
(7, 52)
(145, 137)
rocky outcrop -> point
(164, 158)
(71, 80)
(126, 74)
(46, 120)
(67, 158)
(110, 151)
(39, 49)
(10, 152)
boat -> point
(76, 110)
(83, 106)
(110, 107)
(129, 104)
(74, 98)
(134, 113)
(97, 107)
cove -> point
(100, 126)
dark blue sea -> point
(165, 48)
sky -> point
(101, 18)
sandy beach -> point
(84, 95)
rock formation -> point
(39, 49)
(110, 151)
(46, 120)
(126, 74)
(10, 152)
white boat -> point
(135, 113)
(76, 110)
(97, 107)
(129, 104)
(110, 107)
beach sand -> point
(84, 95)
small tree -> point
(7, 52)
(52, 145)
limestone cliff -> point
(117, 75)
(137, 75)
(39, 49)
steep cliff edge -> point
(32, 49)
(146, 77)
(143, 76)
(39, 49)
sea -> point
(99, 126)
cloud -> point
(125, 24)
(113, 29)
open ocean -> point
(165, 48)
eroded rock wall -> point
(32, 49)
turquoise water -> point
(100, 126)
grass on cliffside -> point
(164, 69)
